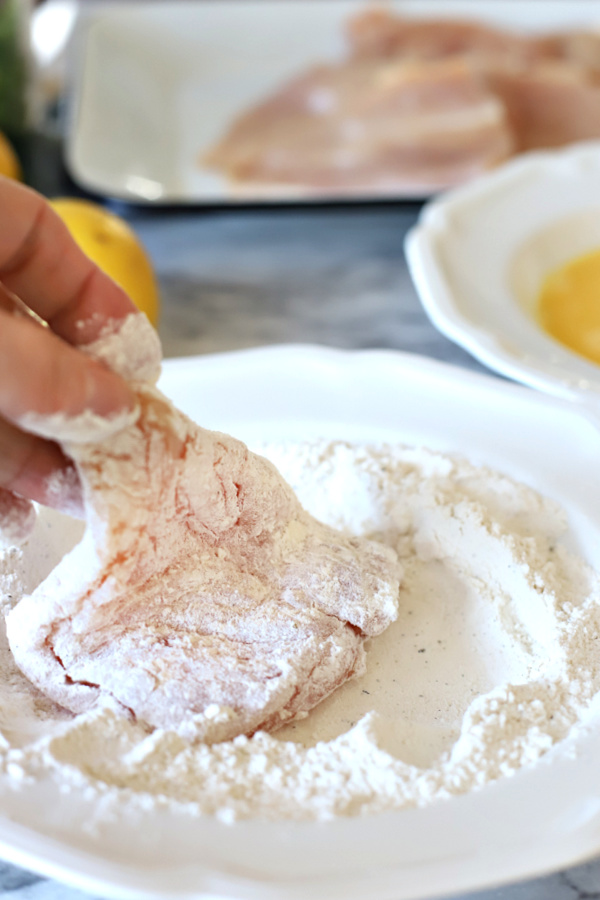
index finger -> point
(42, 264)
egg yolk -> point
(569, 305)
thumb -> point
(52, 389)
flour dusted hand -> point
(202, 593)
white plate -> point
(478, 257)
(156, 84)
(541, 819)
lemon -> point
(113, 245)
(9, 161)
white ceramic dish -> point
(155, 84)
(478, 257)
(541, 819)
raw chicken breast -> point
(370, 127)
(379, 34)
(417, 105)
(548, 85)
(548, 105)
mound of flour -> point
(491, 663)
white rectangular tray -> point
(155, 84)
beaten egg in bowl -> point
(482, 256)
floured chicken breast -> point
(200, 583)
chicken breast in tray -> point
(548, 105)
(378, 33)
(417, 104)
(372, 127)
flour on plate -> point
(491, 663)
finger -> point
(130, 347)
(17, 519)
(38, 469)
(42, 264)
(43, 376)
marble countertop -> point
(232, 279)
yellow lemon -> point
(9, 161)
(115, 248)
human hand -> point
(42, 373)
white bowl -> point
(478, 257)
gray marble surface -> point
(330, 276)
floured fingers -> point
(37, 469)
(53, 390)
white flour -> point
(129, 346)
(490, 664)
